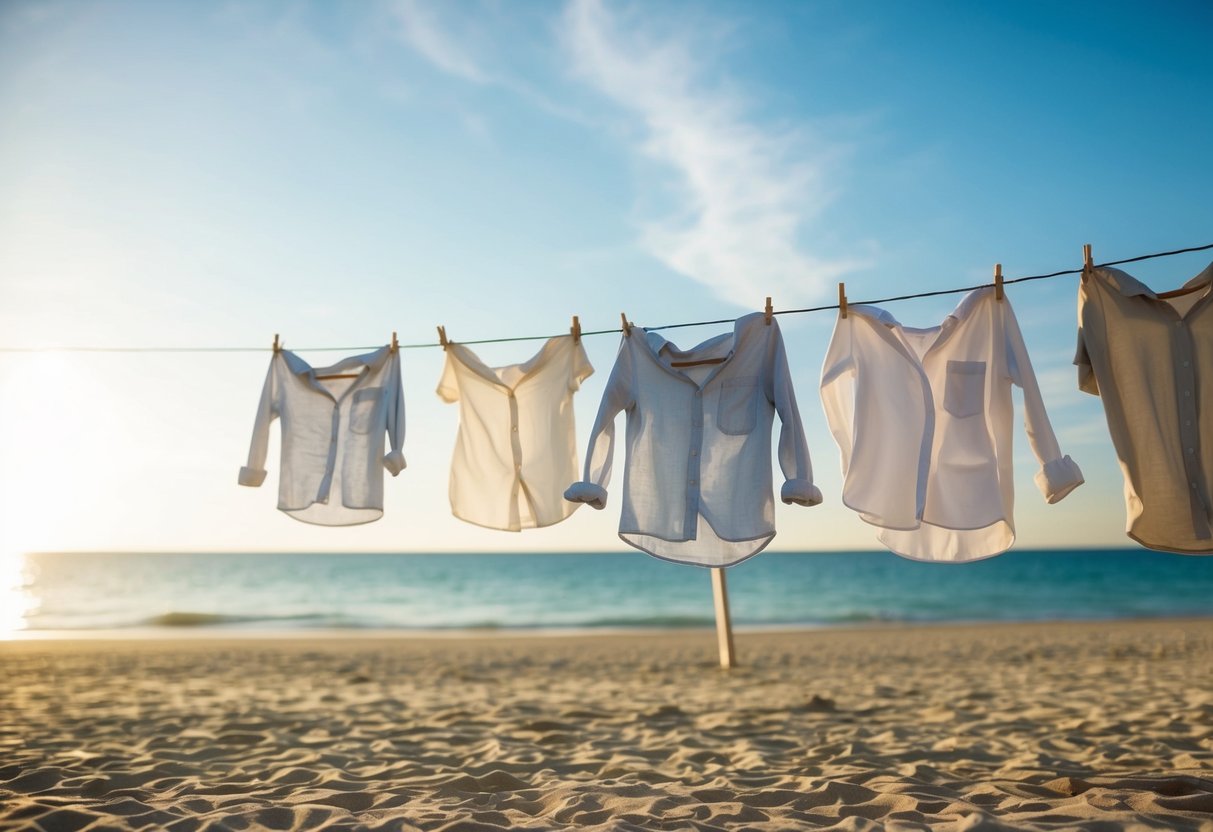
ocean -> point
(73, 593)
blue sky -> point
(208, 174)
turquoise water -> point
(259, 592)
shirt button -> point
(1193, 485)
(1191, 450)
(693, 482)
(1179, 323)
(694, 452)
(1185, 363)
(1187, 393)
(514, 429)
(1188, 423)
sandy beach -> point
(1042, 726)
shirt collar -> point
(1130, 286)
(657, 342)
(963, 310)
(370, 360)
(525, 369)
(1125, 283)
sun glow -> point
(48, 428)
(18, 602)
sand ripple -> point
(1106, 726)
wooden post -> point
(724, 624)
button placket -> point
(691, 520)
(1185, 380)
(515, 443)
(326, 484)
(514, 521)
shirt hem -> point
(520, 528)
(290, 512)
(1173, 550)
(963, 559)
(968, 559)
(668, 559)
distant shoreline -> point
(235, 635)
(306, 595)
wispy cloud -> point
(422, 31)
(746, 192)
(460, 54)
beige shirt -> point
(1150, 359)
(517, 446)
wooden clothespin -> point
(442, 337)
(842, 300)
(395, 343)
(1087, 263)
(277, 346)
(627, 327)
(575, 329)
(768, 311)
(998, 295)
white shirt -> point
(332, 436)
(1151, 360)
(697, 484)
(517, 444)
(923, 420)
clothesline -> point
(427, 345)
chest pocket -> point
(965, 388)
(364, 408)
(738, 409)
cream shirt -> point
(923, 420)
(517, 444)
(697, 482)
(332, 436)
(1151, 361)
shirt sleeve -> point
(838, 388)
(448, 385)
(1058, 475)
(582, 369)
(394, 461)
(798, 487)
(618, 396)
(253, 474)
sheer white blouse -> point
(923, 418)
(517, 444)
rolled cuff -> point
(800, 492)
(394, 462)
(251, 477)
(1058, 478)
(587, 492)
